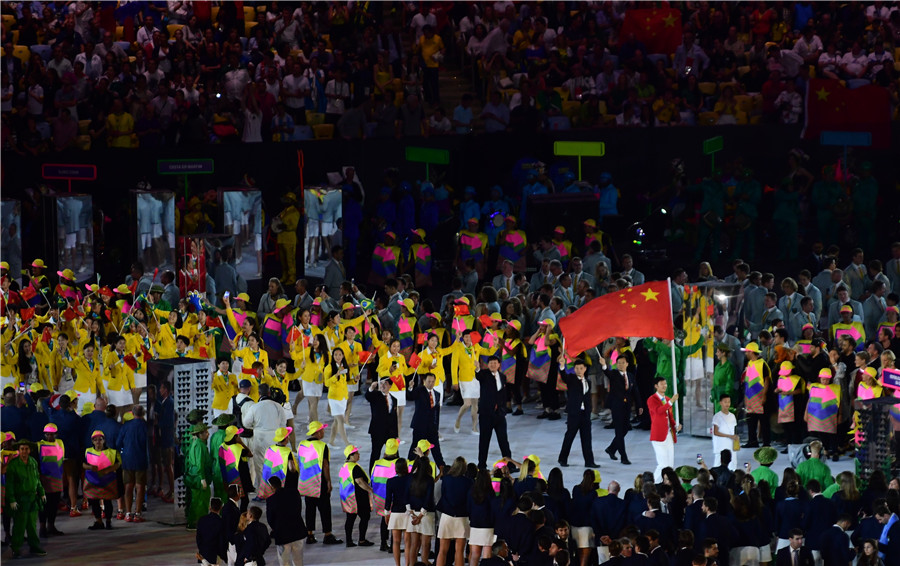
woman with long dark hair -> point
(420, 527)
(558, 497)
(26, 364)
(395, 502)
(481, 520)
(454, 525)
(336, 380)
(310, 360)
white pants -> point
(231, 554)
(290, 554)
(259, 444)
(665, 456)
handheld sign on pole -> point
(429, 156)
(69, 172)
(185, 167)
(579, 149)
(711, 147)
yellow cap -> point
(547, 322)
(231, 432)
(424, 446)
(282, 433)
(350, 449)
(315, 427)
(243, 297)
(391, 447)
(409, 304)
(751, 347)
(39, 263)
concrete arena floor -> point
(157, 544)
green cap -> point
(196, 415)
(765, 455)
(686, 472)
(199, 427)
(223, 420)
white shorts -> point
(584, 536)
(120, 398)
(257, 242)
(398, 521)
(453, 527)
(425, 526)
(337, 407)
(311, 389)
(235, 227)
(70, 241)
(288, 411)
(470, 389)
(481, 537)
(313, 228)
(400, 397)
(146, 240)
(245, 218)
(157, 230)
(328, 229)
(694, 369)
(228, 220)
(82, 236)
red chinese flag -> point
(486, 321)
(26, 314)
(645, 310)
(414, 361)
(131, 362)
(476, 337)
(364, 357)
(659, 29)
(293, 335)
(46, 336)
(832, 107)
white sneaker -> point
(474, 433)
(401, 442)
(349, 426)
(456, 429)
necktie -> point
(625, 378)
(387, 399)
(431, 399)
(508, 286)
(795, 557)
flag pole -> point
(672, 345)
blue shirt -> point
(454, 495)
(132, 443)
(463, 116)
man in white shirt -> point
(236, 79)
(93, 65)
(263, 418)
(854, 63)
(295, 89)
(809, 46)
(690, 59)
(59, 63)
(337, 91)
(423, 18)
(145, 34)
(723, 426)
(287, 29)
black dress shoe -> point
(311, 539)
(591, 465)
(518, 412)
(626, 461)
(609, 426)
(544, 415)
(350, 544)
(331, 539)
(554, 416)
(563, 464)
(748, 445)
(366, 543)
(612, 453)
(384, 547)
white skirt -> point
(140, 380)
(400, 397)
(481, 537)
(584, 536)
(765, 553)
(337, 406)
(694, 369)
(425, 526)
(470, 389)
(398, 521)
(453, 527)
(311, 389)
(120, 398)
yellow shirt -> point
(465, 361)
(428, 48)
(291, 218)
(123, 124)
(88, 380)
(433, 362)
(310, 371)
(248, 358)
(224, 388)
(119, 377)
(337, 385)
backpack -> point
(238, 421)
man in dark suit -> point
(426, 419)
(821, 514)
(578, 411)
(835, 548)
(211, 534)
(716, 527)
(285, 517)
(254, 539)
(796, 554)
(619, 401)
(231, 517)
(383, 424)
(693, 513)
(654, 519)
(608, 518)
(492, 411)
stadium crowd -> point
(182, 73)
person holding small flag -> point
(336, 375)
(248, 356)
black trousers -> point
(578, 423)
(107, 507)
(47, 515)
(378, 442)
(754, 419)
(323, 505)
(430, 85)
(793, 432)
(432, 437)
(488, 424)
(364, 515)
(549, 394)
(620, 418)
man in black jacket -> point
(796, 554)
(578, 410)
(492, 411)
(835, 549)
(285, 517)
(231, 517)
(211, 534)
(383, 424)
(253, 539)
(619, 401)
(716, 527)
(427, 418)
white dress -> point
(726, 423)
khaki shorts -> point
(138, 477)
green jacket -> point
(723, 382)
(215, 442)
(23, 482)
(197, 464)
(663, 356)
(765, 473)
(713, 196)
(815, 469)
(753, 191)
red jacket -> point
(661, 419)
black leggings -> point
(549, 394)
(47, 515)
(763, 421)
(107, 506)
(363, 515)
(384, 531)
(323, 504)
